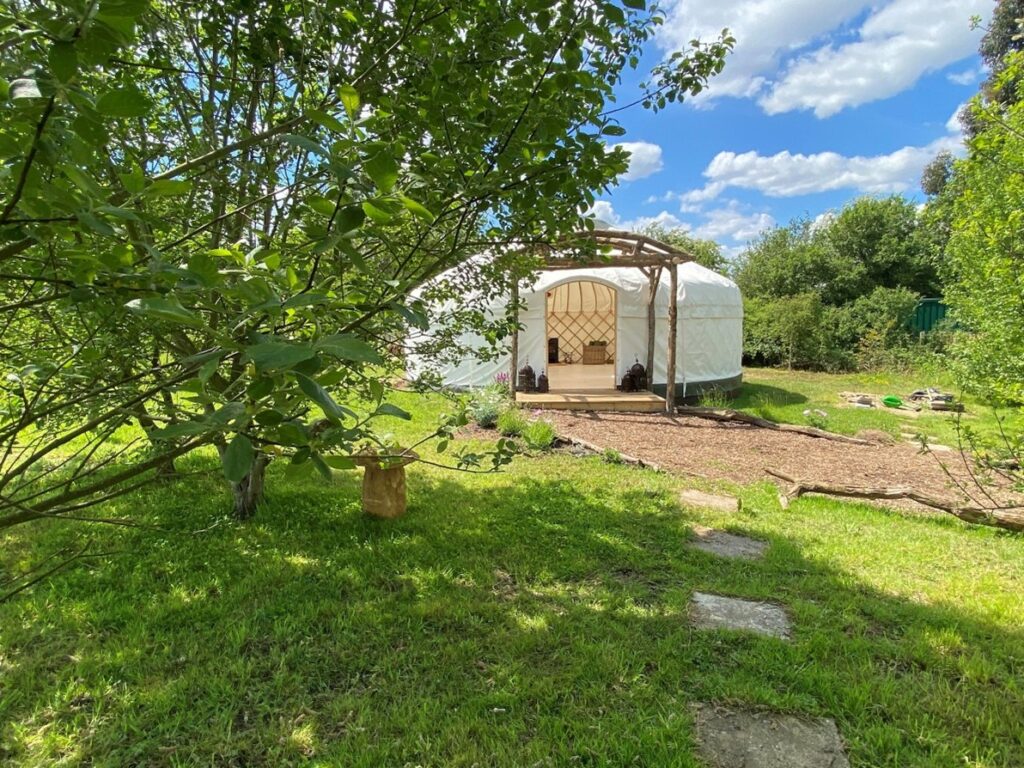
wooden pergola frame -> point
(619, 248)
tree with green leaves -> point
(984, 267)
(865, 267)
(213, 215)
(707, 253)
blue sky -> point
(821, 101)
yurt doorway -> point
(581, 336)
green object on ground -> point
(892, 401)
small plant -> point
(539, 435)
(512, 423)
(611, 456)
(816, 418)
(485, 414)
(714, 398)
(488, 405)
(503, 383)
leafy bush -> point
(488, 404)
(539, 435)
(512, 423)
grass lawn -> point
(783, 396)
(534, 617)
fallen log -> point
(727, 414)
(598, 450)
(1008, 518)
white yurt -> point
(585, 327)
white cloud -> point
(604, 211)
(825, 55)
(765, 31)
(786, 174)
(897, 45)
(967, 77)
(732, 224)
(644, 159)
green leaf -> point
(124, 102)
(350, 99)
(304, 142)
(417, 209)
(347, 347)
(613, 130)
(383, 169)
(63, 61)
(168, 310)
(339, 462)
(334, 412)
(639, 5)
(349, 219)
(321, 466)
(377, 214)
(237, 458)
(388, 409)
(168, 188)
(330, 122)
(321, 205)
(278, 354)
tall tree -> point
(984, 267)
(213, 213)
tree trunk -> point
(673, 329)
(248, 492)
(1008, 518)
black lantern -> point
(639, 374)
(628, 385)
(527, 379)
(542, 382)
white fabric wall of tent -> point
(710, 336)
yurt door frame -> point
(578, 380)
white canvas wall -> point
(709, 343)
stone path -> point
(737, 738)
(719, 612)
(694, 498)
(727, 544)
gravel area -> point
(740, 453)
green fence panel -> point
(928, 314)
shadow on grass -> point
(753, 395)
(537, 618)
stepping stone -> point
(727, 544)
(718, 612)
(737, 738)
(692, 498)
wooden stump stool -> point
(384, 481)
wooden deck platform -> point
(593, 400)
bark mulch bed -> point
(740, 453)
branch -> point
(727, 414)
(1007, 518)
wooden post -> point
(673, 317)
(654, 276)
(515, 337)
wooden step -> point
(598, 400)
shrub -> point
(539, 435)
(512, 423)
(485, 414)
(488, 404)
